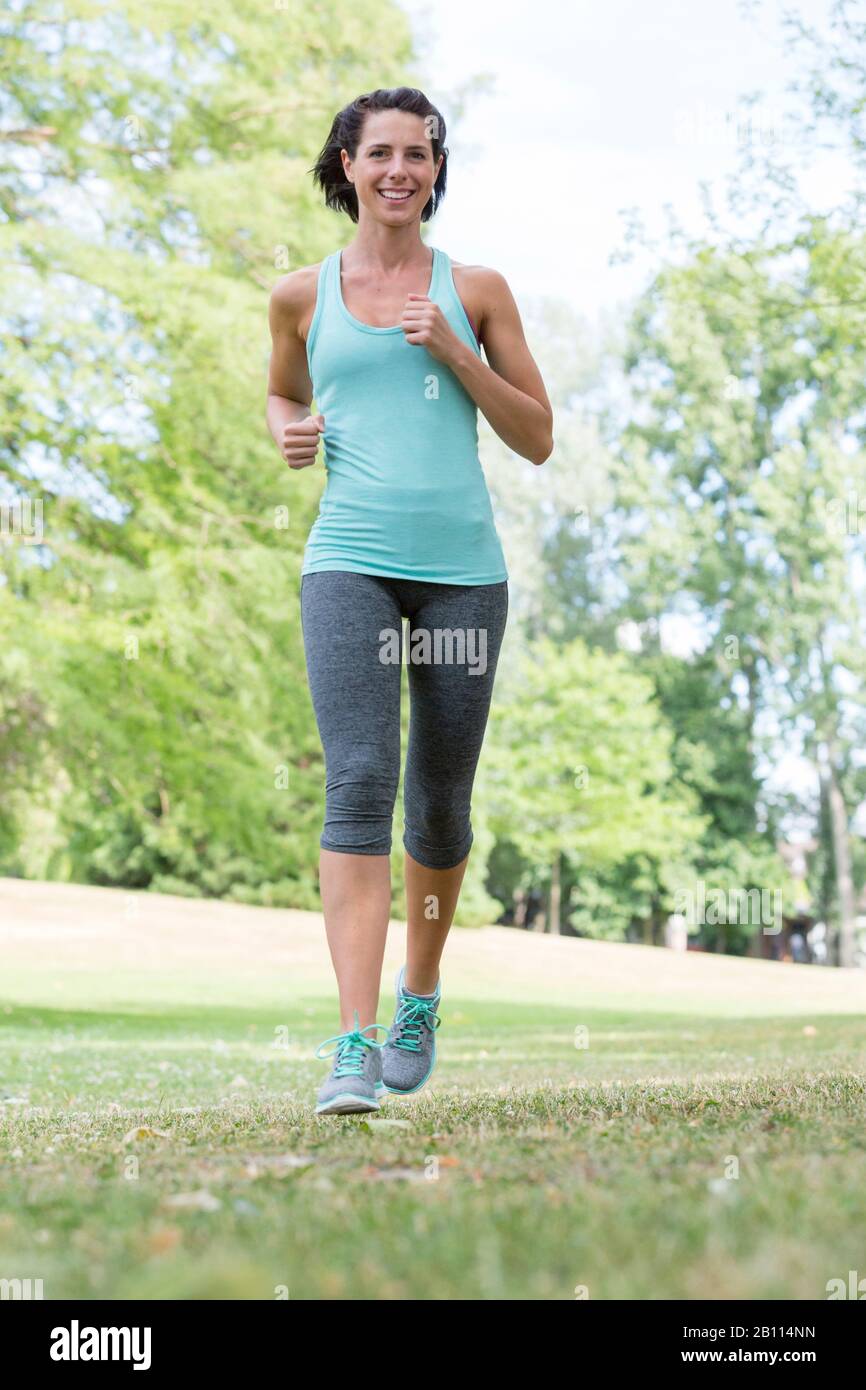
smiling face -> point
(393, 171)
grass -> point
(686, 1152)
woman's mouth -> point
(395, 195)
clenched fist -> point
(301, 441)
(425, 325)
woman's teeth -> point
(394, 196)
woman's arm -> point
(290, 390)
(510, 392)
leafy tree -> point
(581, 768)
(732, 475)
(154, 184)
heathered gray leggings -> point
(354, 647)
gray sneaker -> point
(355, 1083)
(409, 1054)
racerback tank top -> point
(405, 494)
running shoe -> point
(409, 1054)
(355, 1083)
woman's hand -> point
(425, 324)
(301, 441)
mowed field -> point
(605, 1120)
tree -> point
(154, 185)
(732, 482)
(581, 768)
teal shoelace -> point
(414, 1014)
(349, 1048)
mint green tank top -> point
(405, 494)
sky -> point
(594, 108)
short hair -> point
(345, 134)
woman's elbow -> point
(541, 457)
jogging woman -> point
(386, 335)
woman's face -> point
(395, 155)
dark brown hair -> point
(345, 134)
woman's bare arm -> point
(290, 390)
(509, 392)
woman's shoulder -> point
(481, 280)
(294, 287)
(293, 297)
(480, 288)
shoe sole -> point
(349, 1104)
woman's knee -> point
(359, 806)
(437, 829)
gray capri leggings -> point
(346, 620)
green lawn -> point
(532, 1166)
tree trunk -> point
(555, 897)
(841, 859)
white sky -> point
(594, 108)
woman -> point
(387, 336)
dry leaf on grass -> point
(277, 1165)
(372, 1125)
(202, 1200)
(162, 1240)
(396, 1174)
(144, 1132)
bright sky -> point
(594, 108)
